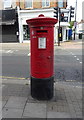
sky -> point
(71, 2)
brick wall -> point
(65, 3)
(22, 4)
(17, 3)
(38, 4)
(53, 3)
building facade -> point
(30, 9)
(27, 9)
(8, 21)
(36, 4)
(1, 4)
(79, 15)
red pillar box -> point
(42, 52)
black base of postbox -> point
(42, 89)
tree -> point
(71, 24)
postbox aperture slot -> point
(42, 31)
(41, 42)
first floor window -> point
(7, 4)
(60, 3)
(45, 3)
(28, 3)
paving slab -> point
(66, 103)
(5, 98)
(58, 115)
(35, 110)
(12, 113)
(16, 90)
(16, 102)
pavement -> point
(17, 101)
(72, 44)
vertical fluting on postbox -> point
(42, 56)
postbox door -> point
(42, 54)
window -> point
(28, 3)
(26, 32)
(45, 3)
(7, 4)
(60, 3)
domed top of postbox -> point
(41, 20)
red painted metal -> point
(42, 46)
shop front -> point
(63, 26)
(9, 24)
(24, 31)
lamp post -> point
(75, 19)
(59, 30)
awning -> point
(7, 17)
(63, 24)
(12, 22)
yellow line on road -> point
(7, 77)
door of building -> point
(26, 33)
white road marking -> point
(77, 58)
(70, 80)
(2, 51)
(79, 86)
(29, 54)
(9, 51)
(71, 53)
(3, 86)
